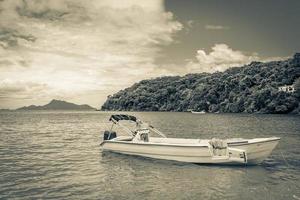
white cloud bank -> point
(78, 50)
(220, 58)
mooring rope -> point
(290, 166)
(283, 157)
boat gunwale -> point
(272, 139)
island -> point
(5, 110)
(58, 105)
(259, 87)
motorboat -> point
(140, 142)
(198, 112)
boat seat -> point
(218, 147)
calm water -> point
(56, 155)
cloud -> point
(220, 58)
(20, 89)
(82, 46)
(11, 38)
(216, 27)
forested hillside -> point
(251, 88)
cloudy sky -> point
(82, 51)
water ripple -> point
(56, 155)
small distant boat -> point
(214, 151)
(196, 112)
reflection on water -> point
(57, 155)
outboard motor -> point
(108, 135)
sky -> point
(83, 51)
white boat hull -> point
(193, 150)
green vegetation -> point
(252, 88)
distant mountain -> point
(253, 88)
(58, 105)
(5, 110)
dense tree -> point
(297, 87)
(251, 88)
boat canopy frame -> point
(119, 117)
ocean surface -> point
(56, 155)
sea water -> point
(56, 155)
